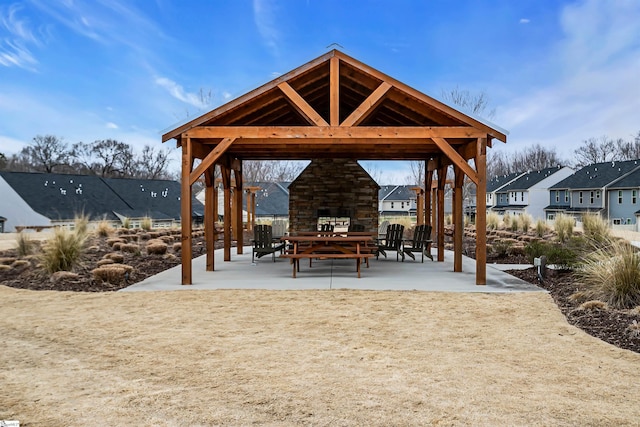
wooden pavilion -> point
(336, 107)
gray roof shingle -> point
(597, 175)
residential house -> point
(588, 191)
(493, 187)
(528, 193)
(623, 202)
(397, 200)
(47, 199)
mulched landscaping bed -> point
(610, 325)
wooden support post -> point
(458, 221)
(185, 211)
(209, 221)
(428, 181)
(234, 213)
(216, 210)
(481, 212)
(442, 179)
(238, 204)
(419, 205)
(225, 171)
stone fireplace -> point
(333, 188)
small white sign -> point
(9, 423)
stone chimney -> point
(333, 188)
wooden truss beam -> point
(210, 159)
(302, 106)
(457, 159)
(367, 106)
(334, 91)
(331, 132)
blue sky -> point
(556, 72)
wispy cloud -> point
(597, 91)
(18, 35)
(111, 125)
(178, 92)
(264, 15)
(105, 22)
(524, 20)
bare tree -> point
(152, 164)
(476, 104)
(271, 170)
(596, 150)
(46, 153)
(533, 157)
(628, 150)
(107, 158)
(373, 170)
(416, 176)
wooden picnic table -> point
(323, 245)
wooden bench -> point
(295, 258)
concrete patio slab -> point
(383, 274)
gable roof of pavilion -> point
(367, 100)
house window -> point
(617, 221)
(634, 196)
(628, 220)
(566, 196)
(522, 196)
(619, 197)
(580, 197)
(591, 197)
(551, 217)
(391, 205)
(557, 196)
(598, 194)
(401, 205)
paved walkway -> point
(383, 274)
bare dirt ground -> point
(306, 358)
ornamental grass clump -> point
(493, 221)
(564, 227)
(104, 228)
(63, 250)
(524, 221)
(24, 244)
(611, 274)
(541, 228)
(595, 228)
(146, 223)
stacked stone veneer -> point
(333, 186)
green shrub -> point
(564, 227)
(63, 250)
(595, 228)
(502, 248)
(611, 274)
(24, 244)
(536, 249)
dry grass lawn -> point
(310, 357)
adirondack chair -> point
(421, 242)
(392, 241)
(263, 242)
(382, 229)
